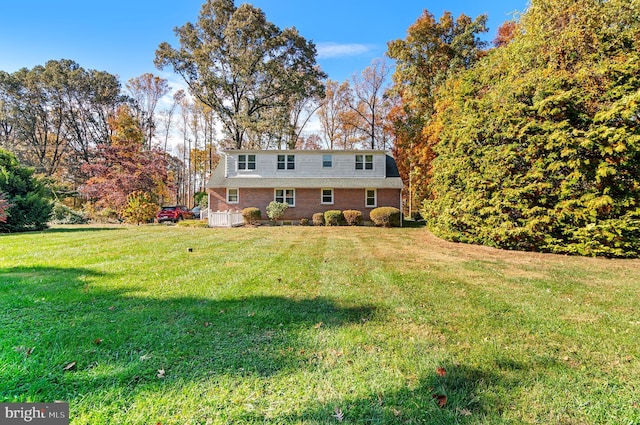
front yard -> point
(177, 325)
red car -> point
(173, 213)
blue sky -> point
(120, 36)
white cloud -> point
(337, 50)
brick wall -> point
(308, 201)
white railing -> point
(225, 219)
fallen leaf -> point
(112, 308)
(207, 324)
(29, 351)
(463, 412)
(441, 371)
(97, 341)
(69, 366)
(440, 399)
(396, 412)
(160, 373)
(339, 415)
(318, 325)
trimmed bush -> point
(276, 210)
(333, 218)
(304, 222)
(251, 215)
(352, 217)
(385, 216)
(318, 219)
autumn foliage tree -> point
(125, 166)
(431, 52)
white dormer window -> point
(327, 161)
(246, 162)
(286, 162)
(364, 162)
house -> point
(310, 181)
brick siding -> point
(307, 201)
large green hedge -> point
(539, 147)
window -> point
(327, 196)
(370, 198)
(233, 196)
(246, 162)
(327, 161)
(364, 162)
(286, 162)
(286, 196)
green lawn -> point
(177, 325)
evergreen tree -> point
(28, 199)
(539, 143)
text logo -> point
(34, 413)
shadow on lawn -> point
(79, 228)
(120, 339)
(463, 395)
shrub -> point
(251, 215)
(139, 208)
(304, 222)
(318, 219)
(333, 218)
(352, 217)
(101, 215)
(62, 214)
(385, 216)
(275, 210)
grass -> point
(184, 325)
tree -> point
(125, 166)
(146, 91)
(506, 33)
(52, 116)
(334, 104)
(432, 51)
(242, 66)
(27, 204)
(369, 103)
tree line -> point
(251, 85)
(533, 144)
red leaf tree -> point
(124, 166)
